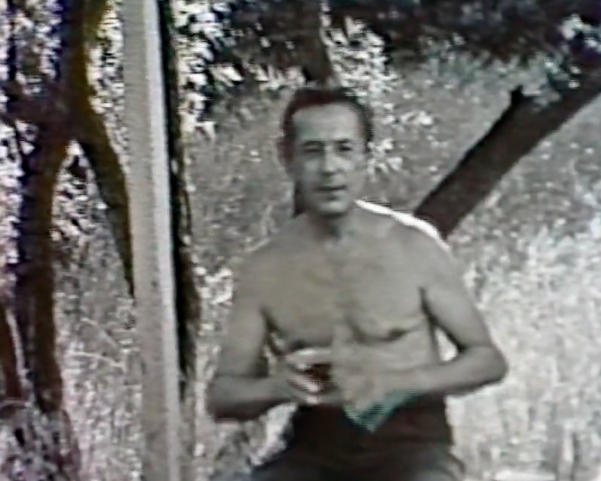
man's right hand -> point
(302, 379)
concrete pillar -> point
(152, 244)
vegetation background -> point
(530, 251)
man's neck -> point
(333, 229)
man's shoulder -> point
(266, 254)
(402, 223)
(258, 256)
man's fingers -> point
(310, 356)
(305, 358)
(308, 391)
(322, 399)
(313, 400)
(305, 383)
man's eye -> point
(312, 150)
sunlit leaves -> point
(359, 61)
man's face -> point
(328, 158)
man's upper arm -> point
(445, 294)
(242, 346)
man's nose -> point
(330, 162)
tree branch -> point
(522, 126)
(95, 142)
(91, 134)
(31, 109)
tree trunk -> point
(43, 432)
(315, 61)
(12, 393)
(91, 133)
(527, 121)
(34, 278)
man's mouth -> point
(332, 188)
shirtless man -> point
(385, 280)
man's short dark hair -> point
(307, 97)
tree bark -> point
(34, 303)
(315, 61)
(527, 121)
(34, 277)
(92, 136)
(87, 128)
(45, 430)
(90, 132)
(8, 363)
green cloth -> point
(375, 415)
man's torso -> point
(373, 284)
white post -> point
(152, 244)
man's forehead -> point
(333, 121)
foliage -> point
(505, 30)
(242, 43)
(551, 336)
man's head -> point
(325, 138)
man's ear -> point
(284, 156)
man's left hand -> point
(371, 393)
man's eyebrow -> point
(317, 143)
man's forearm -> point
(242, 399)
(469, 370)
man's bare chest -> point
(379, 295)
